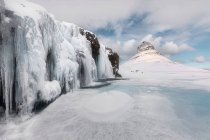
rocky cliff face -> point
(114, 59)
(146, 48)
(41, 58)
(98, 49)
(94, 43)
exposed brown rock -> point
(114, 59)
(95, 45)
(93, 41)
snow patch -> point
(50, 91)
(24, 8)
(107, 102)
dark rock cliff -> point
(114, 59)
(95, 45)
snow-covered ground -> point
(168, 74)
(128, 109)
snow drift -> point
(41, 58)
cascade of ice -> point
(35, 62)
(87, 66)
(104, 65)
(41, 58)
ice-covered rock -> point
(41, 58)
(99, 55)
(87, 71)
(104, 65)
(95, 45)
(114, 59)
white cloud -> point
(161, 14)
(124, 49)
(90, 13)
(168, 48)
(130, 46)
(171, 48)
(200, 59)
(115, 45)
(171, 14)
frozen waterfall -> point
(41, 58)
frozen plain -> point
(154, 105)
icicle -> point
(104, 65)
(41, 57)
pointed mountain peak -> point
(146, 52)
(145, 46)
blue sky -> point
(179, 29)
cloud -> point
(167, 48)
(161, 15)
(200, 59)
(115, 45)
(130, 46)
(125, 49)
(171, 48)
(90, 13)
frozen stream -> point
(123, 110)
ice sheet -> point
(124, 110)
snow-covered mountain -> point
(146, 52)
(41, 58)
(149, 64)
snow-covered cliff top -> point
(24, 8)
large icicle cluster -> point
(104, 65)
(40, 58)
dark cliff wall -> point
(95, 45)
(114, 59)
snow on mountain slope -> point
(150, 66)
(40, 58)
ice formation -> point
(41, 58)
(104, 65)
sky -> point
(179, 29)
